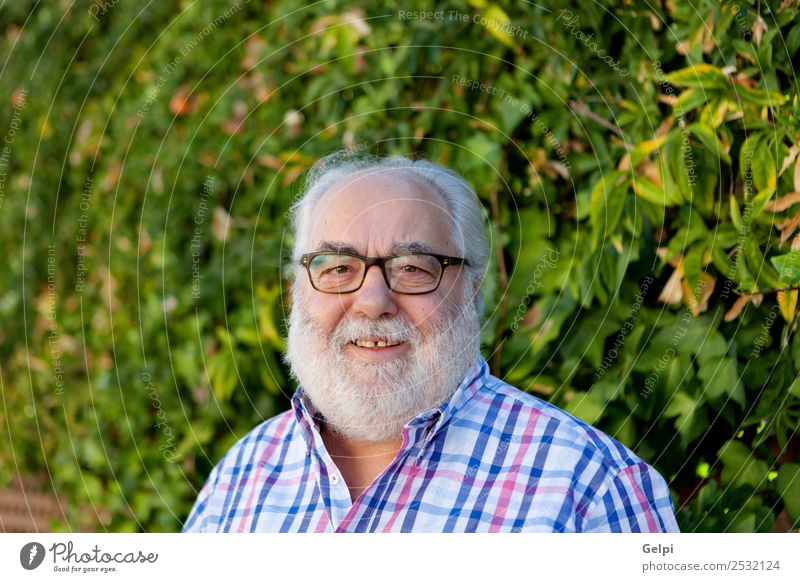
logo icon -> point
(31, 555)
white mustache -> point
(395, 330)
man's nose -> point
(374, 299)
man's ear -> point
(475, 285)
(474, 290)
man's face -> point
(371, 214)
(369, 390)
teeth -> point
(378, 343)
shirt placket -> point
(333, 489)
(359, 512)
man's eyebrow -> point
(336, 246)
(410, 247)
(402, 248)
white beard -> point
(371, 402)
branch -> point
(582, 109)
(770, 291)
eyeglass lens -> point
(337, 273)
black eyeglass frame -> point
(443, 260)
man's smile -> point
(377, 350)
(375, 343)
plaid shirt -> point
(490, 459)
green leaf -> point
(588, 406)
(679, 170)
(643, 149)
(788, 485)
(607, 202)
(736, 214)
(482, 152)
(650, 191)
(765, 275)
(720, 379)
(740, 467)
(692, 267)
(720, 259)
(496, 21)
(743, 275)
(759, 96)
(714, 346)
(691, 99)
(765, 172)
(691, 416)
(794, 389)
(788, 267)
(746, 155)
(708, 137)
(760, 200)
(703, 75)
(744, 522)
(793, 39)
(757, 165)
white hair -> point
(460, 200)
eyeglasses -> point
(411, 274)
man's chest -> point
(447, 494)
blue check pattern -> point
(490, 459)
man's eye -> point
(337, 270)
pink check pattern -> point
(490, 459)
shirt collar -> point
(436, 418)
(426, 424)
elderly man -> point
(397, 424)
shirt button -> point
(334, 478)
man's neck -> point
(359, 462)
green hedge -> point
(638, 168)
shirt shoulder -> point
(559, 425)
(265, 439)
(611, 488)
(259, 449)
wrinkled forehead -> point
(375, 211)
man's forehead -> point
(382, 213)
(397, 187)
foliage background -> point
(634, 195)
